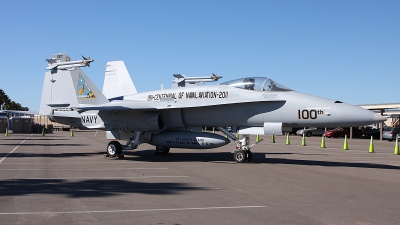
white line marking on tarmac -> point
(61, 178)
(13, 150)
(137, 210)
(94, 169)
(119, 162)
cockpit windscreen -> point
(257, 84)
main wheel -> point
(162, 150)
(114, 148)
(240, 156)
(336, 135)
(308, 134)
(249, 156)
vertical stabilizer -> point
(117, 82)
(66, 89)
(85, 90)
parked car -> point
(341, 132)
(311, 131)
(390, 133)
(370, 131)
(294, 130)
(337, 132)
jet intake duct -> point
(155, 121)
(188, 139)
(160, 123)
(268, 128)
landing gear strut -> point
(133, 141)
(242, 151)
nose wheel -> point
(242, 156)
(242, 152)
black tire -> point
(249, 156)
(162, 150)
(114, 148)
(240, 156)
(308, 134)
(336, 135)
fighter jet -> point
(172, 118)
(63, 62)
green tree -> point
(6, 103)
(3, 99)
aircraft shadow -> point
(279, 153)
(176, 156)
(48, 155)
(329, 163)
(149, 156)
(88, 188)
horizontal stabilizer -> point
(58, 104)
(51, 61)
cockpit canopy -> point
(256, 84)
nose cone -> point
(345, 115)
(378, 118)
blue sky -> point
(341, 50)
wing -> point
(167, 103)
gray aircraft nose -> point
(378, 118)
(352, 116)
(365, 116)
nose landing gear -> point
(242, 152)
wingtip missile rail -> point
(181, 80)
(54, 64)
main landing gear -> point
(242, 152)
(161, 150)
(114, 148)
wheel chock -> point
(113, 157)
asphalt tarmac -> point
(58, 179)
